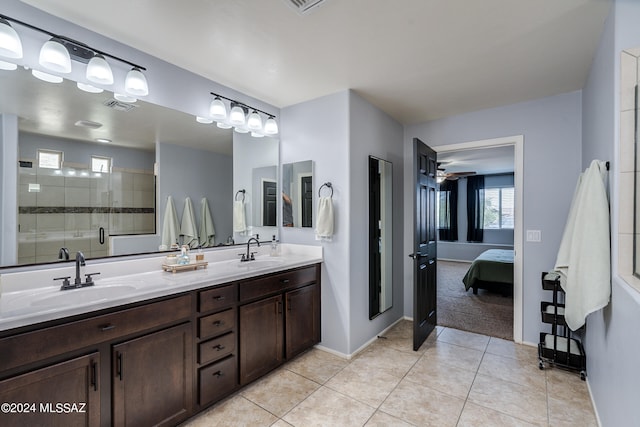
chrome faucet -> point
(79, 262)
(63, 254)
(66, 284)
(249, 256)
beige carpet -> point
(487, 313)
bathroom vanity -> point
(159, 360)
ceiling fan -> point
(441, 175)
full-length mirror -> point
(380, 236)
(297, 194)
(94, 174)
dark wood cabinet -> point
(302, 319)
(63, 394)
(261, 338)
(152, 378)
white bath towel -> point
(170, 225)
(584, 258)
(324, 219)
(207, 232)
(188, 226)
(239, 219)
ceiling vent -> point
(120, 106)
(304, 7)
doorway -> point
(518, 146)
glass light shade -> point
(223, 125)
(204, 120)
(254, 122)
(55, 57)
(7, 66)
(241, 129)
(99, 71)
(218, 110)
(10, 44)
(270, 126)
(257, 135)
(46, 77)
(136, 83)
(88, 88)
(125, 98)
(236, 117)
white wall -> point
(552, 142)
(612, 341)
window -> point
(498, 208)
(49, 159)
(100, 164)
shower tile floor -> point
(456, 378)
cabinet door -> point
(153, 378)
(64, 394)
(261, 333)
(302, 319)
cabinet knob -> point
(284, 281)
(219, 347)
(219, 298)
(107, 327)
(218, 323)
(217, 374)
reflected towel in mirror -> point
(324, 219)
(188, 226)
(239, 218)
(207, 232)
(170, 225)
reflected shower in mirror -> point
(380, 236)
(297, 194)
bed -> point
(491, 270)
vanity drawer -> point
(48, 342)
(217, 380)
(216, 324)
(274, 283)
(217, 298)
(216, 348)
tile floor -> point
(455, 379)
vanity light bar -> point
(251, 118)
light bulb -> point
(236, 117)
(88, 88)
(125, 98)
(257, 135)
(217, 109)
(8, 66)
(46, 77)
(55, 57)
(223, 125)
(136, 83)
(270, 126)
(10, 44)
(204, 120)
(99, 71)
(241, 129)
(254, 122)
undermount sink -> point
(81, 295)
(261, 263)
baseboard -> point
(593, 403)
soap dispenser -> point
(183, 258)
(275, 247)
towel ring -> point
(238, 192)
(328, 185)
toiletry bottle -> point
(275, 249)
(183, 259)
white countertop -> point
(32, 297)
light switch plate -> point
(534, 236)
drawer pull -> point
(107, 327)
(219, 347)
(219, 298)
(284, 281)
(217, 374)
(218, 323)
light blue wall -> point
(612, 341)
(552, 155)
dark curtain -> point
(448, 214)
(475, 208)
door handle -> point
(418, 256)
(101, 235)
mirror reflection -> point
(104, 198)
(297, 194)
(380, 236)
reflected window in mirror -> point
(380, 236)
(297, 194)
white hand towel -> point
(239, 220)
(170, 226)
(584, 259)
(207, 232)
(188, 227)
(324, 219)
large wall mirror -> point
(380, 236)
(118, 163)
(297, 194)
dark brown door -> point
(424, 255)
(307, 201)
(302, 319)
(269, 203)
(152, 383)
(64, 394)
(261, 338)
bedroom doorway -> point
(514, 143)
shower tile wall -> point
(68, 211)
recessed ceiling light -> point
(88, 124)
(105, 140)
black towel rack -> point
(328, 185)
(238, 192)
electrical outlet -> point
(534, 236)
